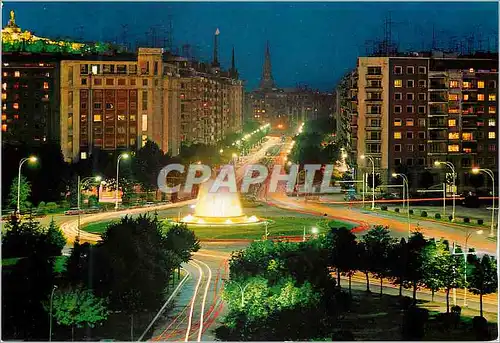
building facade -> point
(415, 110)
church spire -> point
(267, 81)
(215, 62)
(233, 71)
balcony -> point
(437, 99)
(370, 86)
(437, 86)
(437, 136)
(437, 124)
(374, 76)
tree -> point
(182, 241)
(24, 193)
(343, 250)
(378, 180)
(55, 238)
(147, 164)
(378, 244)
(414, 272)
(483, 279)
(77, 308)
(433, 267)
(398, 257)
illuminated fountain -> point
(218, 208)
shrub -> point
(423, 214)
(411, 211)
(396, 210)
(466, 220)
(41, 204)
(383, 208)
(480, 222)
(437, 216)
(92, 200)
(64, 204)
(414, 323)
(450, 217)
(51, 207)
(480, 327)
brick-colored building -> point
(414, 110)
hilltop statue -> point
(12, 20)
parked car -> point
(93, 210)
(72, 211)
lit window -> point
(4, 127)
(83, 155)
(397, 135)
(5, 74)
(453, 135)
(397, 122)
(453, 148)
(398, 83)
(121, 117)
(453, 84)
(492, 110)
(491, 135)
(97, 117)
(452, 122)
(4, 86)
(410, 122)
(480, 97)
(4, 117)
(466, 84)
(491, 122)
(16, 116)
(453, 110)
(467, 136)
(480, 84)
(45, 85)
(468, 150)
(492, 97)
(453, 97)
(466, 97)
(15, 106)
(144, 122)
(4, 96)
(17, 74)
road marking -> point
(204, 298)
(193, 300)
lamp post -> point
(454, 175)
(125, 156)
(242, 289)
(490, 174)
(80, 184)
(50, 312)
(373, 178)
(31, 159)
(405, 183)
(465, 253)
(314, 231)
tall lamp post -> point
(82, 183)
(50, 312)
(125, 156)
(373, 177)
(490, 174)
(405, 184)
(31, 159)
(454, 175)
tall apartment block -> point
(412, 111)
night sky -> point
(311, 43)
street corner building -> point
(89, 97)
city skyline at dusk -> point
(312, 44)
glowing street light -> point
(490, 174)
(31, 159)
(405, 183)
(81, 183)
(373, 177)
(221, 151)
(124, 156)
(454, 175)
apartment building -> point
(415, 110)
(120, 102)
(30, 99)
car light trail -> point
(204, 298)
(190, 317)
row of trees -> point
(287, 291)
(128, 271)
(411, 264)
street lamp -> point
(373, 178)
(80, 184)
(31, 159)
(490, 174)
(314, 231)
(454, 175)
(125, 156)
(405, 183)
(50, 312)
(465, 253)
